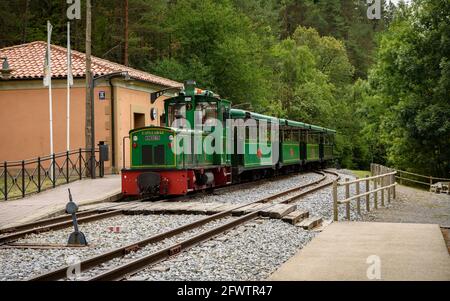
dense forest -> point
(383, 84)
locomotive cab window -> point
(211, 114)
(177, 113)
(199, 114)
(205, 114)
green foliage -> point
(345, 20)
(214, 36)
(301, 59)
(411, 81)
(314, 84)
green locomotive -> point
(209, 144)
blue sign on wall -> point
(102, 95)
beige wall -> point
(129, 102)
(24, 116)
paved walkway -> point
(414, 206)
(341, 252)
(41, 205)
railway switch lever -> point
(77, 237)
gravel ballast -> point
(251, 193)
(320, 203)
(250, 252)
(21, 264)
(149, 249)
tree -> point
(214, 38)
(411, 80)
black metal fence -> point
(21, 178)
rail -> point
(21, 178)
(383, 181)
(130, 267)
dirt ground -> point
(414, 206)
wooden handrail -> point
(368, 178)
(365, 193)
(413, 174)
(427, 177)
(383, 180)
(411, 180)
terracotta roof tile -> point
(27, 62)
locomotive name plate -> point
(152, 138)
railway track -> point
(55, 224)
(12, 234)
(132, 267)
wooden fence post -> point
(379, 173)
(375, 194)
(367, 195)
(335, 201)
(390, 188)
(431, 182)
(347, 195)
(382, 191)
(394, 193)
(358, 200)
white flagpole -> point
(69, 83)
(48, 82)
(50, 98)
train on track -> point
(210, 144)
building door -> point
(139, 120)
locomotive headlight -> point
(170, 138)
(135, 138)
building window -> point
(139, 120)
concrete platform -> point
(341, 251)
(52, 201)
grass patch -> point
(361, 173)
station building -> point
(121, 103)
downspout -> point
(113, 128)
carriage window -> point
(302, 136)
(295, 135)
(287, 135)
(313, 139)
(265, 132)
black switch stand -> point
(77, 237)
